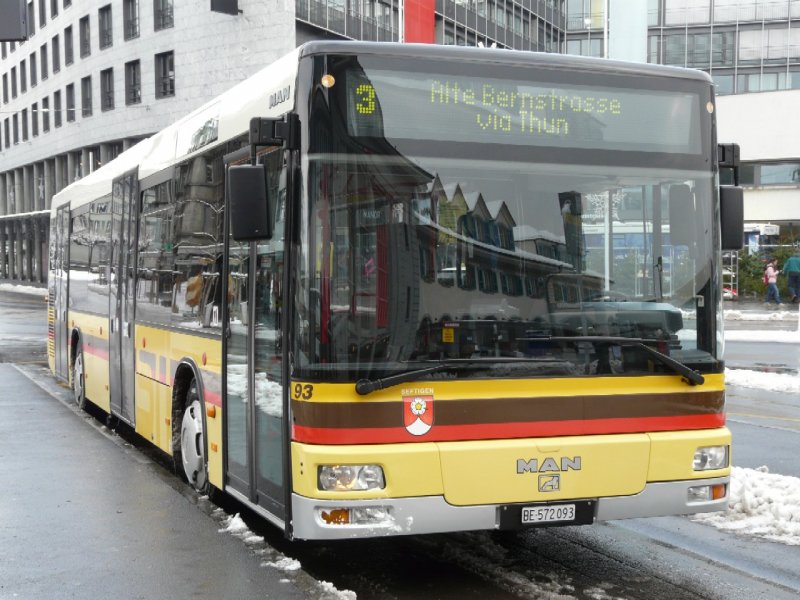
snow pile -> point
(283, 564)
(761, 504)
(779, 314)
(775, 382)
(780, 337)
(235, 525)
(24, 289)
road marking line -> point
(752, 416)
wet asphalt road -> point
(87, 513)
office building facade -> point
(751, 49)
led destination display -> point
(395, 104)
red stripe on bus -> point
(451, 433)
(94, 351)
(212, 398)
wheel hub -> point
(193, 445)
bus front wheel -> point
(78, 380)
(192, 441)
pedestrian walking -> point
(792, 270)
(771, 279)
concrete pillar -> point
(3, 195)
(70, 168)
(29, 251)
(27, 189)
(49, 183)
(17, 258)
(105, 154)
(3, 250)
(86, 163)
(38, 186)
(58, 163)
(38, 276)
(128, 143)
(18, 196)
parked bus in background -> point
(355, 291)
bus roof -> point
(229, 114)
(473, 54)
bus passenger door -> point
(253, 368)
(60, 271)
(121, 347)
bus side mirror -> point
(681, 210)
(249, 213)
(731, 216)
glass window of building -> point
(133, 82)
(723, 48)
(104, 23)
(45, 115)
(24, 119)
(57, 108)
(15, 123)
(163, 14)
(675, 49)
(107, 89)
(34, 119)
(53, 9)
(787, 173)
(86, 36)
(86, 96)
(13, 82)
(23, 77)
(769, 82)
(67, 3)
(7, 129)
(724, 84)
(42, 14)
(687, 12)
(43, 60)
(5, 87)
(776, 40)
(70, 91)
(31, 20)
(130, 14)
(750, 45)
(55, 49)
(69, 56)
(34, 69)
(165, 75)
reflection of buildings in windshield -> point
(452, 275)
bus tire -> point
(79, 379)
(190, 457)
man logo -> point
(549, 483)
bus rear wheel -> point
(78, 380)
(193, 442)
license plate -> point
(548, 514)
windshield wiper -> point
(366, 386)
(692, 376)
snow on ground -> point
(778, 337)
(776, 382)
(788, 313)
(235, 525)
(761, 504)
(23, 289)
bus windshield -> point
(539, 221)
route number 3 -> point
(303, 391)
(366, 99)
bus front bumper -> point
(314, 519)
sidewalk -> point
(84, 516)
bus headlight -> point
(348, 478)
(708, 458)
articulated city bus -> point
(354, 292)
